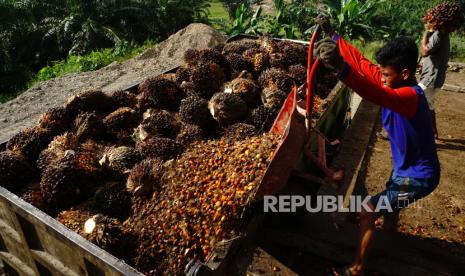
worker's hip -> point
(430, 93)
(402, 191)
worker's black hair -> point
(400, 53)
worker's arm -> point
(364, 78)
(430, 43)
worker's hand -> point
(325, 23)
(327, 51)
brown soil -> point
(441, 215)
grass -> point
(217, 11)
(457, 47)
(218, 15)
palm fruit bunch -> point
(278, 60)
(194, 110)
(57, 120)
(32, 195)
(112, 199)
(182, 74)
(240, 46)
(122, 98)
(189, 89)
(207, 79)
(191, 56)
(159, 92)
(89, 125)
(262, 118)
(273, 97)
(239, 63)
(56, 149)
(100, 230)
(30, 142)
(188, 134)
(267, 44)
(90, 101)
(246, 88)
(120, 159)
(145, 177)
(70, 180)
(204, 193)
(227, 108)
(298, 72)
(15, 171)
(159, 147)
(211, 55)
(160, 123)
(446, 17)
(121, 122)
(261, 61)
(294, 53)
(276, 77)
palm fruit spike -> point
(123, 99)
(182, 74)
(262, 118)
(239, 63)
(188, 134)
(157, 147)
(15, 171)
(213, 56)
(238, 47)
(267, 44)
(245, 88)
(145, 176)
(227, 108)
(159, 123)
(71, 180)
(90, 101)
(121, 159)
(445, 16)
(113, 200)
(30, 142)
(89, 125)
(122, 118)
(276, 77)
(207, 79)
(105, 232)
(299, 73)
(158, 92)
(194, 110)
(56, 119)
(273, 97)
(56, 149)
(240, 131)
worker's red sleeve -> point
(364, 78)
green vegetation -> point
(92, 61)
(217, 11)
(457, 42)
(34, 33)
(44, 39)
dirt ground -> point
(441, 215)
